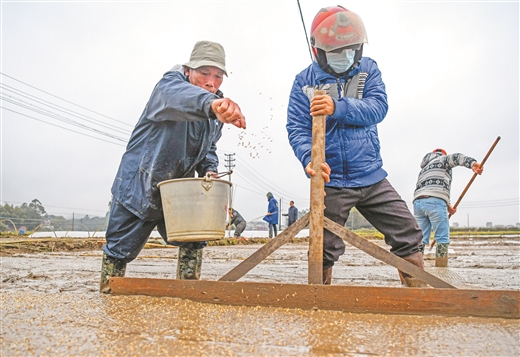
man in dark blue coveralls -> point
(175, 137)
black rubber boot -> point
(189, 263)
(110, 267)
(407, 279)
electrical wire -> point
(62, 119)
(74, 131)
(55, 96)
(305, 30)
(259, 177)
(60, 108)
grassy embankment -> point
(17, 243)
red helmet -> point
(440, 150)
(336, 27)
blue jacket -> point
(352, 147)
(273, 208)
(175, 137)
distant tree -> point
(30, 215)
(303, 212)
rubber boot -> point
(441, 255)
(110, 267)
(327, 276)
(189, 263)
(407, 279)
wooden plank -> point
(384, 255)
(266, 250)
(315, 262)
(356, 299)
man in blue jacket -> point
(175, 137)
(272, 214)
(355, 103)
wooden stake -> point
(315, 272)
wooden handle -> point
(315, 273)
(475, 175)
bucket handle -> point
(207, 183)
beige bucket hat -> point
(207, 53)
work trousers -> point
(272, 227)
(127, 234)
(432, 213)
(239, 228)
(382, 206)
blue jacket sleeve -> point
(299, 124)
(175, 98)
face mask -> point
(340, 62)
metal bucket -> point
(195, 209)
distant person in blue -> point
(292, 214)
(272, 215)
(355, 104)
(175, 137)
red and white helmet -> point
(335, 27)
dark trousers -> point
(382, 206)
(127, 234)
(272, 227)
(239, 228)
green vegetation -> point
(31, 217)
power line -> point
(60, 108)
(61, 118)
(305, 30)
(270, 184)
(55, 96)
(74, 131)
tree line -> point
(32, 216)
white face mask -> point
(340, 62)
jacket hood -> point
(429, 157)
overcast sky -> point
(77, 75)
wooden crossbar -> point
(356, 299)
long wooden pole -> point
(475, 175)
(315, 271)
(471, 181)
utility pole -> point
(230, 165)
(280, 214)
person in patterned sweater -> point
(431, 202)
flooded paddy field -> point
(51, 307)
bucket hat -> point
(207, 53)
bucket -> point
(195, 209)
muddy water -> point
(51, 307)
(94, 325)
